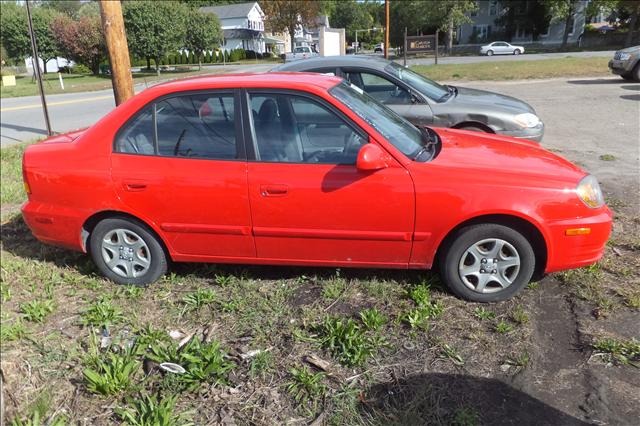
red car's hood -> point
(501, 154)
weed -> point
(112, 375)
(373, 319)
(203, 362)
(306, 386)
(5, 293)
(346, 340)
(37, 310)
(224, 280)
(36, 420)
(230, 306)
(416, 318)
(519, 316)
(519, 361)
(335, 287)
(12, 331)
(465, 416)
(131, 292)
(420, 294)
(261, 364)
(102, 313)
(533, 285)
(503, 327)
(199, 298)
(150, 411)
(622, 352)
(607, 157)
(451, 353)
(631, 298)
(483, 314)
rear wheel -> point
(489, 52)
(635, 74)
(127, 252)
(487, 262)
(517, 52)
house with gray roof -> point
(242, 25)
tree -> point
(67, 7)
(155, 28)
(81, 40)
(449, 14)
(14, 31)
(627, 11)
(535, 20)
(287, 15)
(204, 33)
(563, 10)
(43, 18)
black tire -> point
(153, 250)
(516, 51)
(627, 77)
(489, 52)
(635, 74)
(452, 253)
(474, 129)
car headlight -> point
(527, 120)
(625, 56)
(589, 192)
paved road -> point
(21, 118)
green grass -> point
(624, 352)
(516, 70)
(11, 174)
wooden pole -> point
(36, 70)
(116, 38)
(386, 29)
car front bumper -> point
(620, 67)
(575, 251)
(534, 134)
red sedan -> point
(304, 169)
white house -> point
(242, 25)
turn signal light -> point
(577, 231)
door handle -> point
(274, 190)
(135, 186)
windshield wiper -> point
(450, 92)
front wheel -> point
(489, 52)
(516, 52)
(127, 252)
(487, 262)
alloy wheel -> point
(489, 265)
(125, 253)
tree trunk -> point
(567, 22)
(450, 36)
(157, 61)
(44, 65)
(199, 62)
(632, 26)
(148, 63)
(95, 67)
(292, 31)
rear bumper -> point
(569, 252)
(54, 225)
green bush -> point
(80, 69)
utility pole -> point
(36, 69)
(386, 29)
(116, 38)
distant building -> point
(242, 25)
(484, 26)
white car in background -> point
(501, 48)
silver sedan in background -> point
(501, 48)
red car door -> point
(309, 202)
(180, 163)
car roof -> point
(249, 80)
(334, 61)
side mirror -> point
(371, 157)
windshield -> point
(398, 131)
(427, 87)
(301, 49)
